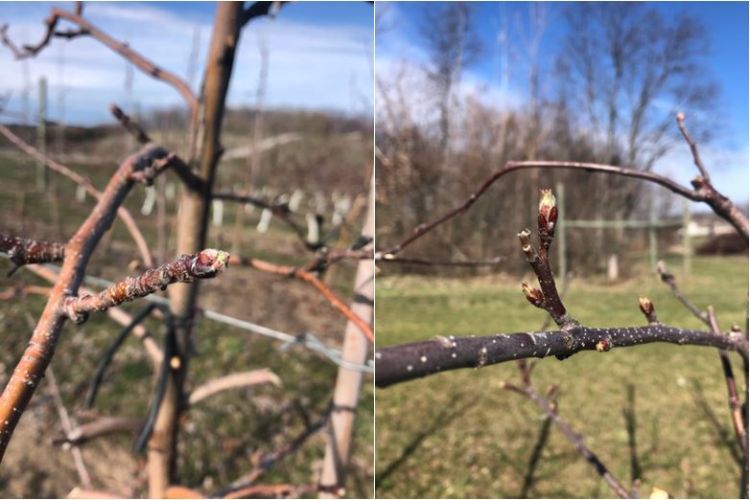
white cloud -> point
(310, 66)
(728, 168)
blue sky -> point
(726, 25)
(320, 56)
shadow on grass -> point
(724, 436)
(449, 413)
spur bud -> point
(533, 295)
(547, 211)
(647, 307)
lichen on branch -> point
(184, 269)
(22, 251)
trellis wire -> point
(307, 339)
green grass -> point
(456, 434)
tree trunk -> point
(191, 232)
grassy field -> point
(457, 434)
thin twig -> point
(735, 405)
(703, 191)
(550, 410)
(270, 459)
(68, 426)
(85, 183)
(132, 127)
(547, 298)
(392, 259)
(233, 381)
(109, 353)
(280, 210)
(670, 281)
(325, 291)
(22, 251)
(693, 146)
(86, 28)
(709, 318)
(184, 269)
(100, 427)
(183, 171)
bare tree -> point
(453, 45)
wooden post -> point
(687, 246)
(561, 241)
(41, 135)
(348, 382)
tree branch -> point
(703, 191)
(300, 274)
(550, 409)
(86, 28)
(109, 354)
(33, 363)
(117, 314)
(735, 405)
(280, 210)
(260, 9)
(185, 269)
(233, 381)
(122, 212)
(22, 251)
(183, 171)
(693, 146)
(268, 460)
(100, 427)
(419, 359)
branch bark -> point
(233, 381)
(192, 227)
(32, 365)
(22, 251)
(185, 269)
(419, 359)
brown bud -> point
(603, 345)
(647, 307)
(533, 295)
(209, 262)
(547, 211)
